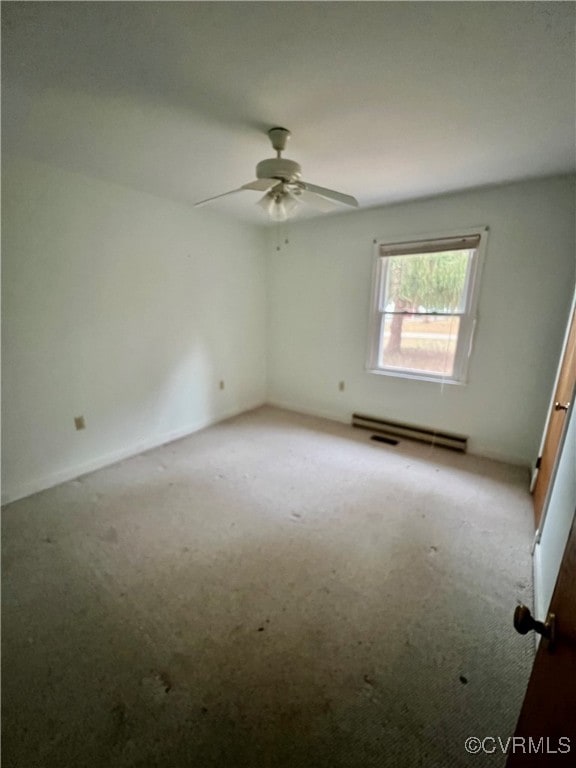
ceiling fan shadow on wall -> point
(284, 189)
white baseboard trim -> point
(70, 473)
(39, 484)
(505, 458)
(474, 449)
(321, 413)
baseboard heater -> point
(423, 434)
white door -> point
(556, 525)
(559, 509)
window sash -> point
(459, 339)
(465, 297)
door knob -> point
(524, 622)
(561, 406)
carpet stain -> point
(157, 685)
(463, 680)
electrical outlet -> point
(222, 384)
(341, 386)
(79, 422)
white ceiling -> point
(386, 101)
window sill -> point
(430, 378)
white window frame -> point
(468, 318)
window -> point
(424, 306)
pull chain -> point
(282, 232)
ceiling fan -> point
(280, 179)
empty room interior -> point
(288, 446)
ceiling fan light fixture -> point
(279, 205)
(277, 211)
(284, 208)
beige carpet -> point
(277, 590)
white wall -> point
(126, 309)
(318, 313)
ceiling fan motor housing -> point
(278, 168)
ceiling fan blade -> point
(210, 199)
(260, 185)
(330, 194)
(316, 201)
